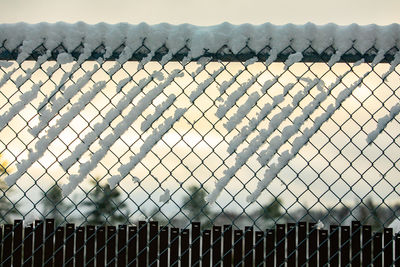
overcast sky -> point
(202, 12)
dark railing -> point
(149, 244)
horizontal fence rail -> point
(309, 54)
(149, 244)
(263, 129)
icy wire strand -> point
(246, 130)
(257, 141)
(287, 132)
(100, 127)
(148, 144)
(43, 143)
(151, 118)
(58, 103)
(232, 98)
(300, 141)
(24, 100)
(121, 128)
(46, 115)
(383, 122)
(202, 86)
(242, 111)
(26, 97)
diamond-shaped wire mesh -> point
(228, 101)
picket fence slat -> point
(111, 245)
(388, 247)
(100, 246)
(185, 247)
(259, 248)
(49, 243)
(345, 245)
(216, 246)
(122, 245)
(59, 246)
(356, 243)
(302, 243)
(153, 249)
(377, 252)
(132, 246)
(38, 243)
(397, 250)
(248, 246)
(270, 248)
(1, 243)
(334, 245)
(174, 248)
(17, 243)
(292, 244)
(227, 251)
(312, 244)
(142, 253)
(323, 247)
(90, 245)
(205, 261)
(7, 246)
(80, 242)
(366, 245)
(28, 245)
(164, 246)
(280, 244)
(195, 261)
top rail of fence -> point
(224, 42)
(309, 55)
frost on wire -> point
(200, 42)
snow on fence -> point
(151, 244)
(245, 125)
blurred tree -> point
(105, 205)
(7, 208)
(372, 214)
(54, 205)
(157, 215)
(272, 211)
(196, 205)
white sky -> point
(202, 12)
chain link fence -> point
(178, 126)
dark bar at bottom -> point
(206, 253)
(237, 248)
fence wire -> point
(228, 100)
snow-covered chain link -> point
(304, 116)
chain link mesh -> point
(336, 177)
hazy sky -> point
(203, 12)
